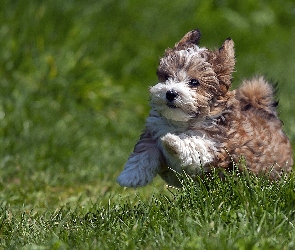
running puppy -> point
(196, 123)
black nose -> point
(171, 95)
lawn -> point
(74, 78)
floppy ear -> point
(223, 63)
(190, 38)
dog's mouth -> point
(191, 114)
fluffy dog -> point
(196, 123)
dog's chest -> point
(181, 145)
(159, 126)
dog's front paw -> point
(172, 144)
(137, 172)
(180, 147)
(134, 178)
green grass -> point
(243, 212)
(74, 78)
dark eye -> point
(193, 83)
(166, 77)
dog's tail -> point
(257, 93)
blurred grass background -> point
(74, 78)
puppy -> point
(196, 123)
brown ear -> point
(223, 63)
(190, 38)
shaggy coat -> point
(196, 123)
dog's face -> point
(191, 79)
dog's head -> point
(192, 79)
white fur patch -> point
(191, 152)
(195, 52)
